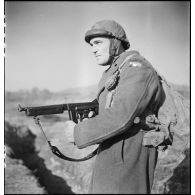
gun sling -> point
(57, 152)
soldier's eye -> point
(97, 42)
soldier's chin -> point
(102, 63)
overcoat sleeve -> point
(137, 86)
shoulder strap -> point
(125, 60)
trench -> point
(22, 143)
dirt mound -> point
(19, 179)
(25, 171)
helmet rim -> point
(97, 33)
(90, 34)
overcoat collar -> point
(119, 60)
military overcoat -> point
(123, 165)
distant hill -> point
(36, 96)
(64, 95)
(184, 90)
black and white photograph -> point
(97, 97)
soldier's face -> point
(101, 49)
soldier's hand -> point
(90, 115)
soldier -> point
(129, 90)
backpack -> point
(173, 135)
(176, 109)
(171, 126)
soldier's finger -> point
(91, 114)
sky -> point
(45, 45)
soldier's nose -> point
(94, 49)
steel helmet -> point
(108, 28)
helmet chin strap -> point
(115, 45)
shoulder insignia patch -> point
(135, 64)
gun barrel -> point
(20, 108)
(43, 110)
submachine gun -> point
(77, 112)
